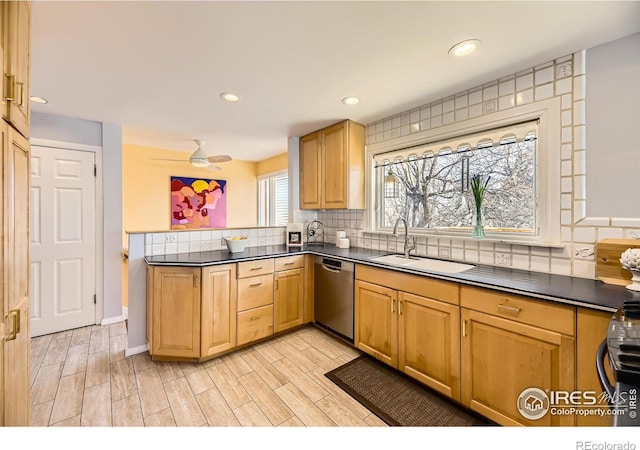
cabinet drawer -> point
(255, 291)
(414, 284)
(553, 317)
(253, 268)
(289, 262)
(255, 324)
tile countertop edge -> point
(583, 292)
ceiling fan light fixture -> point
(229, 96)
(351, 100)
(465, 48)
(199, 157)
(199, 162)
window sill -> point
(488, 239)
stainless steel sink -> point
(435, 265)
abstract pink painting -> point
(198, 203)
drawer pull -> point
(255, 284)
(392, 305)
(289, 263)
(510, 309)
(464, 328)
(255, 317)
(256, 268)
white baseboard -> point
(125, 312)
(110, 320)
(136, 350)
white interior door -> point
(63, 240)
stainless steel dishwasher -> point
(333, 295)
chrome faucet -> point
(407, 246)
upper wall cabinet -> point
(332, 167)
(16, 24)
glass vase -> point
(478, 227)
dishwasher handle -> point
(330, 269)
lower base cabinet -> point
(191, 313)
(511, 344)
(413, 333)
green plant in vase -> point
(479, 188)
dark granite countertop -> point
(584, 292)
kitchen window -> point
(429, 184)
(273, 199)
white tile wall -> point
(565, 78)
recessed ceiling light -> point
(351, 100)
(229, 96)
(38, 99)
(465, 48)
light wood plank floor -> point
(82, 378)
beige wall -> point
(273, 164)
(146, 188)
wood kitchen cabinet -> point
(191, 311)
(332, 167)
(288, 293)
(218, 310)
(175, 312)
(416, 334)
(255, 300)
(14, 277)
(511, 343)
(16, 31)
(592, 329)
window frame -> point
(270, 215)
(548, 181)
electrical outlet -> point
(171, 237)
(444, 253)
(503, 259)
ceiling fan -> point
(200, 159)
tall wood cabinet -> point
(14, 276)
(16, 29)
(410, 323)
(332, 167)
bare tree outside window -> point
(433, 192)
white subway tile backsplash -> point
(579, 137)
(457, 254)
(448, 118)
(567, 134)
(158, 238)
(584, 234)
(194, 246)
(506, 87)
(524, 97)
(584, 269)
(490, 92)
(448, 105)
(524, 82)
(543, 76)
(579, 63)
(171, 248)
(543, 92)
(561, 266)
(579, 162)
(461, 101)
(506, 102)
(520, 261)
(475, 97)
(566, 118)
(563, 86)
(475, 110)
(486, 258)
(567, 151)
(436, 109)
(183, 247)
(566, 168)
(580, 187)
(462, 114)
(566, 101)
(579, 112)
(566, 217)
(610, 233)
(540, 263)
(183, 237)
(623, 222)
(157, 249)
(579, 87)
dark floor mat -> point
(397, 399)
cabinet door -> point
(592, 330)
(16, 54)
(218, 309)
(429, 342)
(16, 284)
(310, 172)
(176, 312)
(335, 148)
(376, 324)
(501, 358)
(288, 299)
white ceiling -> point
(158, 67)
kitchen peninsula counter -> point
(588, 293)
